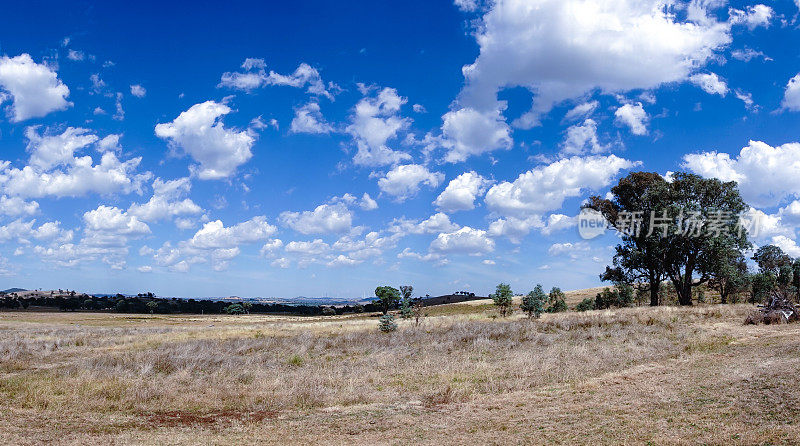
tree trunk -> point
(655, 286)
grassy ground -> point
(664, 375)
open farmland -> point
(661, 375)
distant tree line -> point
(146, 303)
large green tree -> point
(706, 220)
(771, 259)
(676, 229)
(638, 258)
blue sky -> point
(322, 148)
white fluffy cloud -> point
(767, 175)
(25, 233)
(753, 17)
(710, 83)
(15, 206)
(468, 132)
(573, 250)
(436, 223)
(48, 151)
(562, 49)
(545, 188)
(325, 219)
(634, 117)
(375, 121)
(791, 97)
(110, 225)
(138, 91)
(309, 119)
(404, 181)
(214, 234)
(255, 76)
(515, 229)
(367, 203)
(34, 88)
(461, 193)
(167, 201)
(199, 132)
(466, 240)
(581, 139)
(313, 248)
(81, 177)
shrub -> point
(556, 302)
(387, 323)
(625, 294)
(234, 309)
(605, 299)
(585, 305)
(328, 311)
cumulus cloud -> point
(55, 170)
(545, 188)
(215, 235)
(573, 250)
(367, 203)
(581, 139)
(168, 201)
(403, 182)
(515, 229)
(325, 219)
(436, 223)
(563, 49)
(309, 119)
(199, 132)
(468, 132)
(48, 151)
(80, 178)
(466, 240)
(767, 175)
(138, 91)
(374, 122)
(255, 76)
(752, 17)
(15, 206)
(791, 96)
(316, 247)
(634, 117)
(34, 88)
(26, 232)
(461, 193)
(710, 83)
(111, 226)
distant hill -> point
(13, 290)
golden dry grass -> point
(663, 375)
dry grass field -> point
(664, 376)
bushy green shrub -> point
(585, 305)
(556, 302)
(625, 294)
(387, 323)
(234, 309)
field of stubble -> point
(664, 375)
